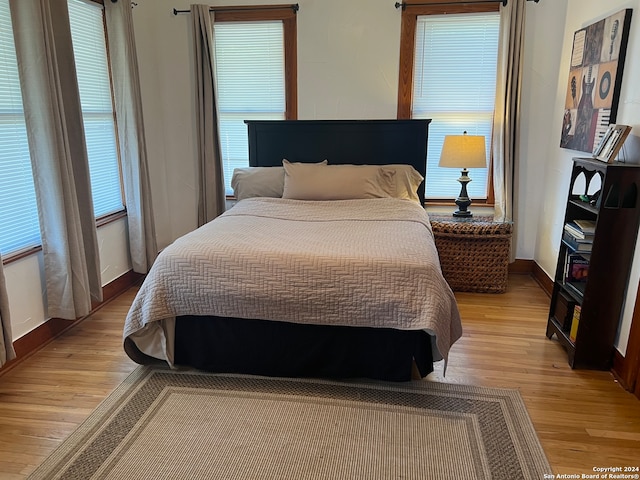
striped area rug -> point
(164, 424)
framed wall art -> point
(595, 78)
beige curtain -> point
(6, 340)
(211, 201)
(58, 155)
(133, 149)
(506, 122)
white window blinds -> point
(250, 83)
(19, 226)
(94, 83)
(454, 84)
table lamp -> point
(463, 151)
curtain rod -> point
(405, 4)
(295, 7)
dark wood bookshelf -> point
(616, 211)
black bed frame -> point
(264, 347)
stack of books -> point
(578, 234)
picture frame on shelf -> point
(611, 142)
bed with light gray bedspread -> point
(370, 262)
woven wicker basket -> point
(474, 255)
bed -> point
(305, 285)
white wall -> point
(348, 57)
(164, 56)
(543, 53)
(556, 162)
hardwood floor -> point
(584, 419)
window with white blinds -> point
(94, 83)
(19, 227)
(250, 81)
(454, 84)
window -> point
(255, 76)
(449, 63)
(94, 84)
(18, 210)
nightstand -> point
(474, 252)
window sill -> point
(20, 254)
(442, 208)
(28, 251)
(110, 218)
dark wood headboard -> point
(359, 142)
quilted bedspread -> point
(366, 262)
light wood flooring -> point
(584, 419)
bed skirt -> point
(282, 349)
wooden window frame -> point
(108, 218)
(286, 14)
(251, 13)
(409, 21)
(113, 216)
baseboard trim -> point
(543, 279)
(618, 369)
(114, 288)
(521, 267)
(530, 267)
(40, 336)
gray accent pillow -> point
(257, 182)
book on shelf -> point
(573, 229)
(576, 244)
(573, 333)
(577, 268)
(588, 227)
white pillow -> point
(305, 181)
(400, 180)
(406, 181)
(257, 182)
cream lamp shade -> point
(463, 151)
